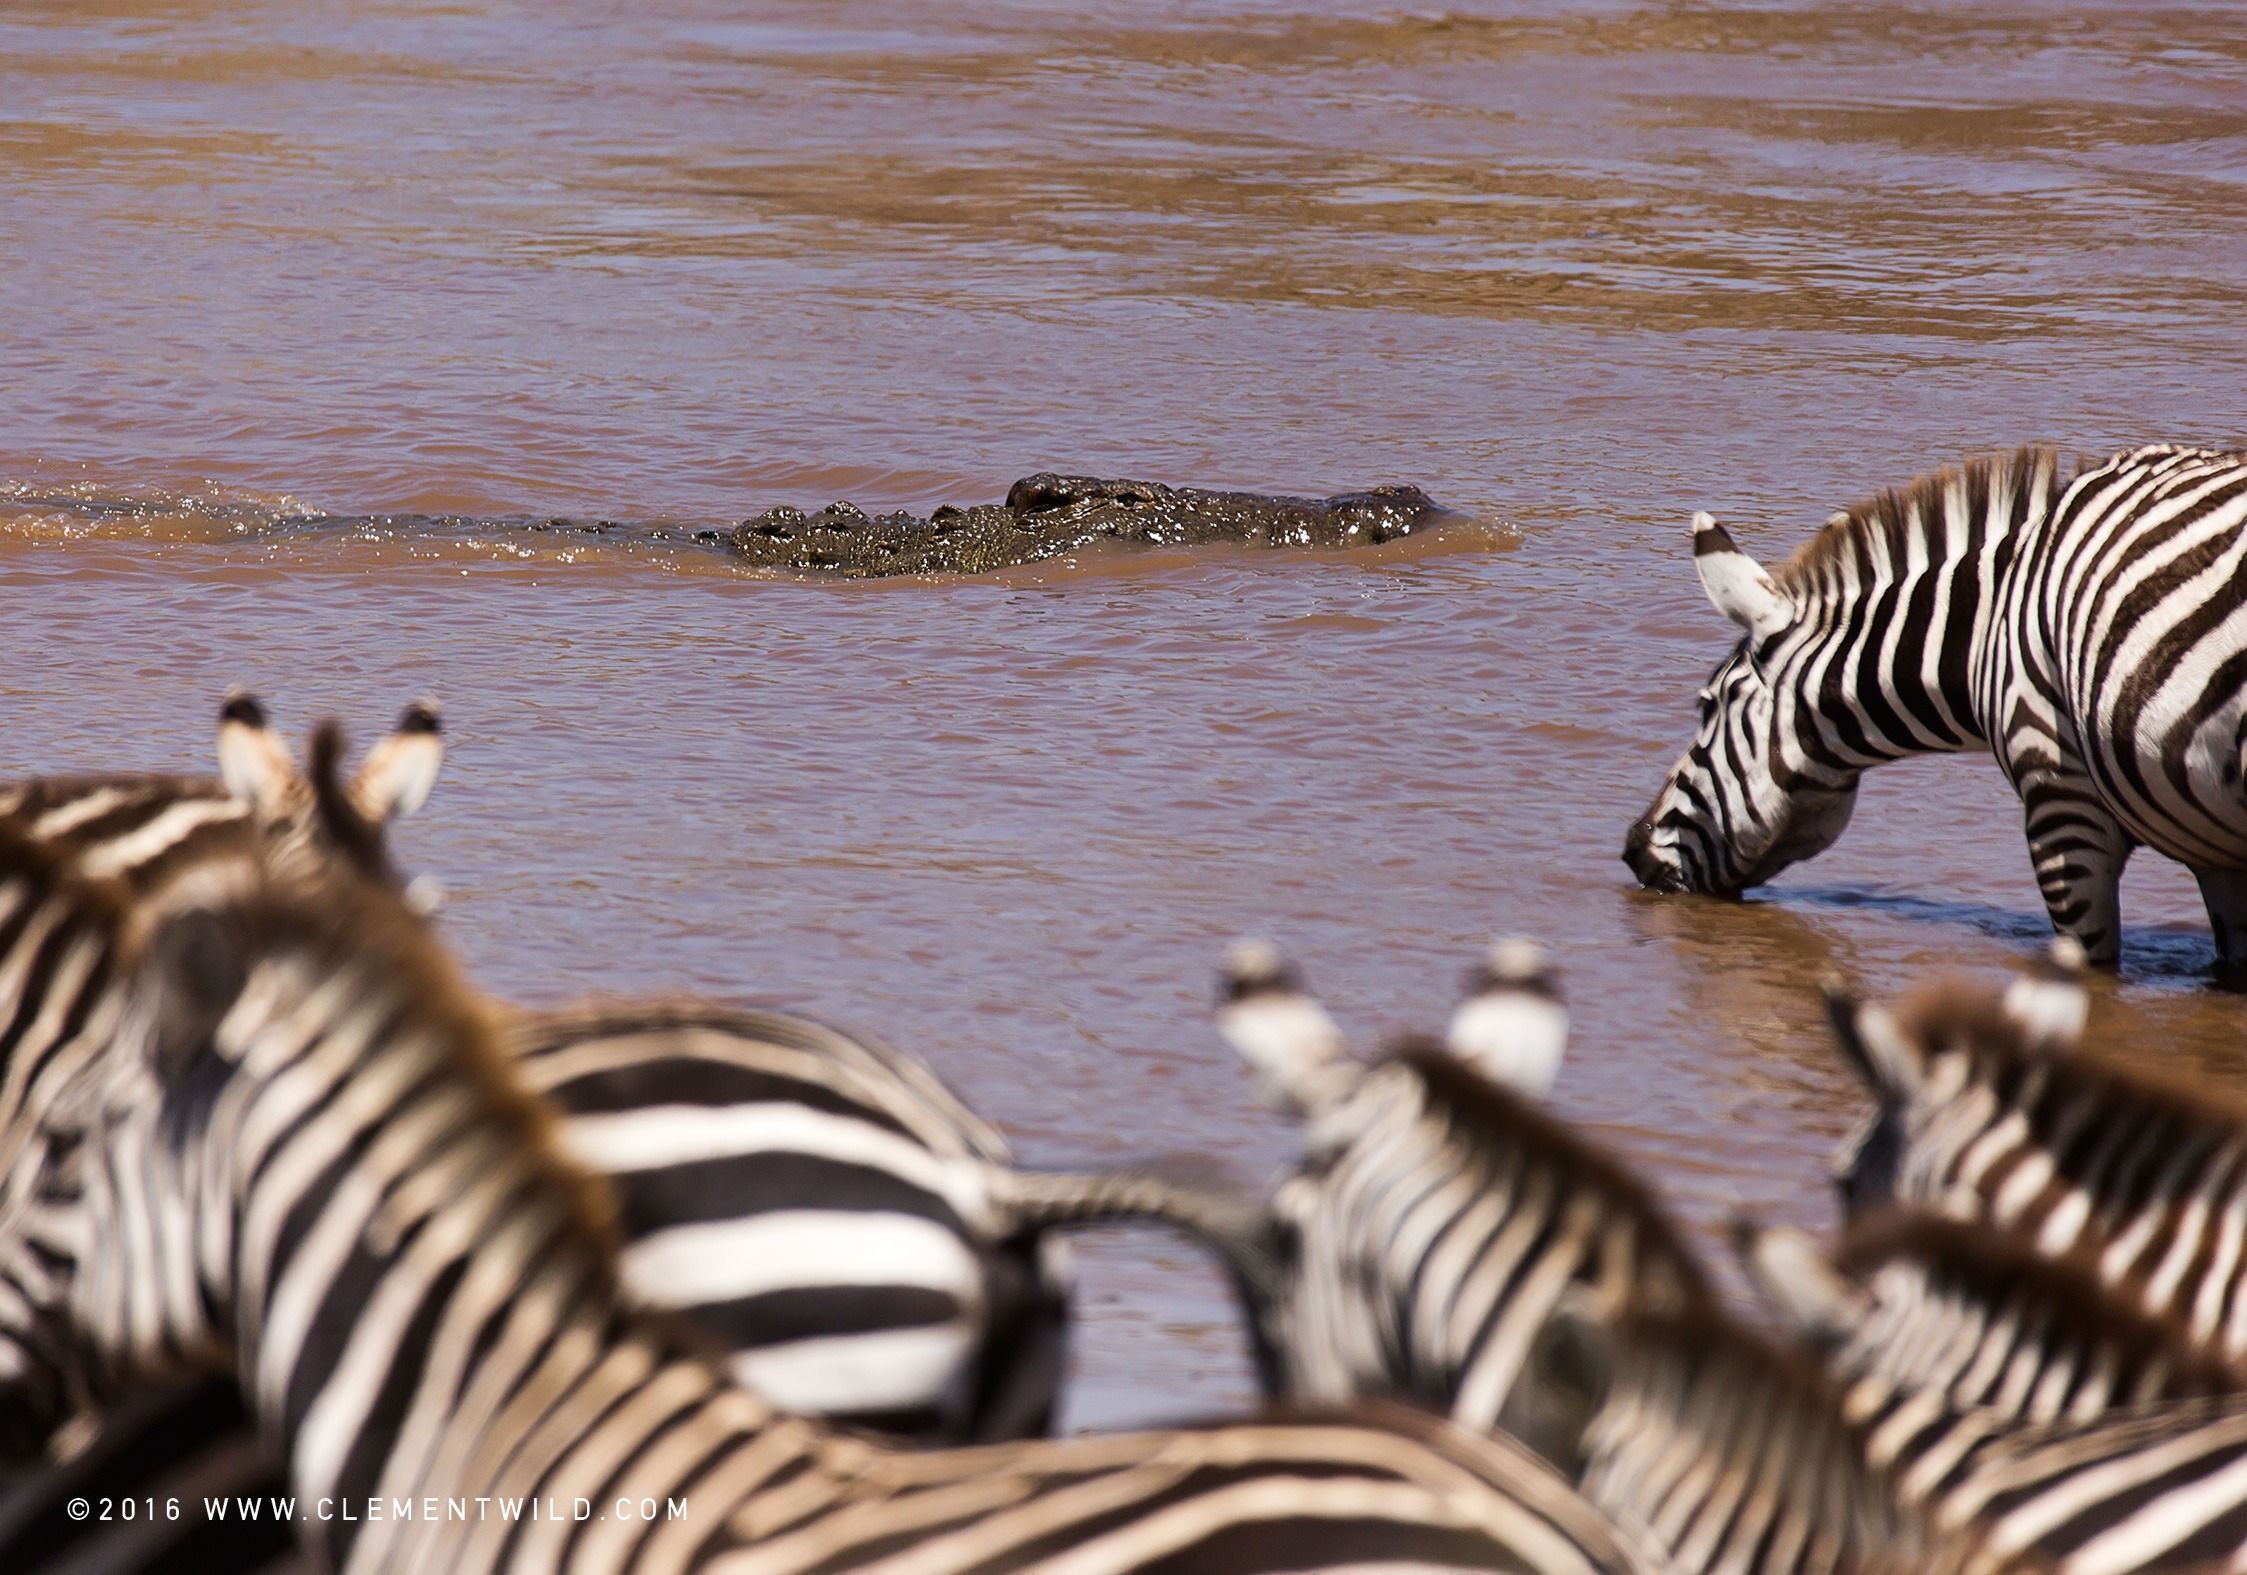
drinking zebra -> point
(2090, 634)
(2074, 1151)
(307, 1157)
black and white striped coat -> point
(2090, 633)
(1439, 1218)
(714, 1125)
(1913, 1303)
(1723, 1451)
(143, 835)
(1993, 1385)
(1439, 1224)
(818, 1204)
(2073, 1151)
(310, 1159)
(838, 1183)
(1448, 1241)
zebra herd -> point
(291, 1216)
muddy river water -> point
(1576, 270)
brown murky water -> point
(1575, 269)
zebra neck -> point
(1694, 1415)
(1892, 669)
(1901, 634)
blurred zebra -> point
(1983, 1116)
(818, 1204)
(903, 1245)
(817, 1208)
(1996, 1386)
(780, 1178)
(1949, 1333)
(2088, 633)
(143, 836)
(1448, 1241)
(309, 1157)
(1736, 1456)
(1728, 1453)
(1438, 1218)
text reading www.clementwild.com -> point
(285, 1509)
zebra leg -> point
(1025, 1352)
(2079, 850)
(2225, 894)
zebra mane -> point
(1898, 515)
(1765, 1418)
(1952, 1013)
(888, 1068)
(1481, 1109)
(1959, 1016)
(348, 922)
(1991, 1267)
(350, 833)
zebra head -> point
(393, 781)
(191, 1138)
(1934, 1051)
(1738, 808)
(77, 891)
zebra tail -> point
(1235, 1225)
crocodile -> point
(1046, 515)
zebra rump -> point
(819, 1205)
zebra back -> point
(553, 1048)
(2154, 1487)
(139, 830)
(2073, 1151)
(1977, 1315)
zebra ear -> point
(398, 773)
(1795, 1281)
(1870, 1041)
(254, 764)
(1735, 582)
